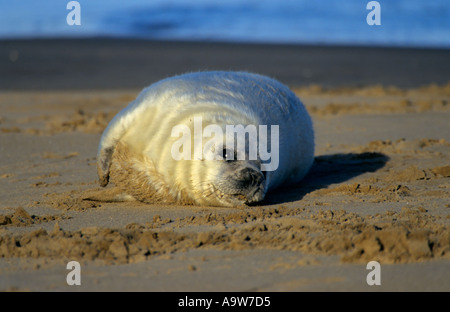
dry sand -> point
(379, 190)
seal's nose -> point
(251, 177)
(251, 184)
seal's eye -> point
(228, 155)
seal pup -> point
(140, 149)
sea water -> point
(419, 23)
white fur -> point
(218, 98)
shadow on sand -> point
(326, 170)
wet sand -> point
(379, 189)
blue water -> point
(419, 23)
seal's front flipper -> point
(104, 158)
(108, 195)
(115, 130)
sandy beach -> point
(378, 191)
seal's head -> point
(230, 181)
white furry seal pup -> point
(136, 151)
